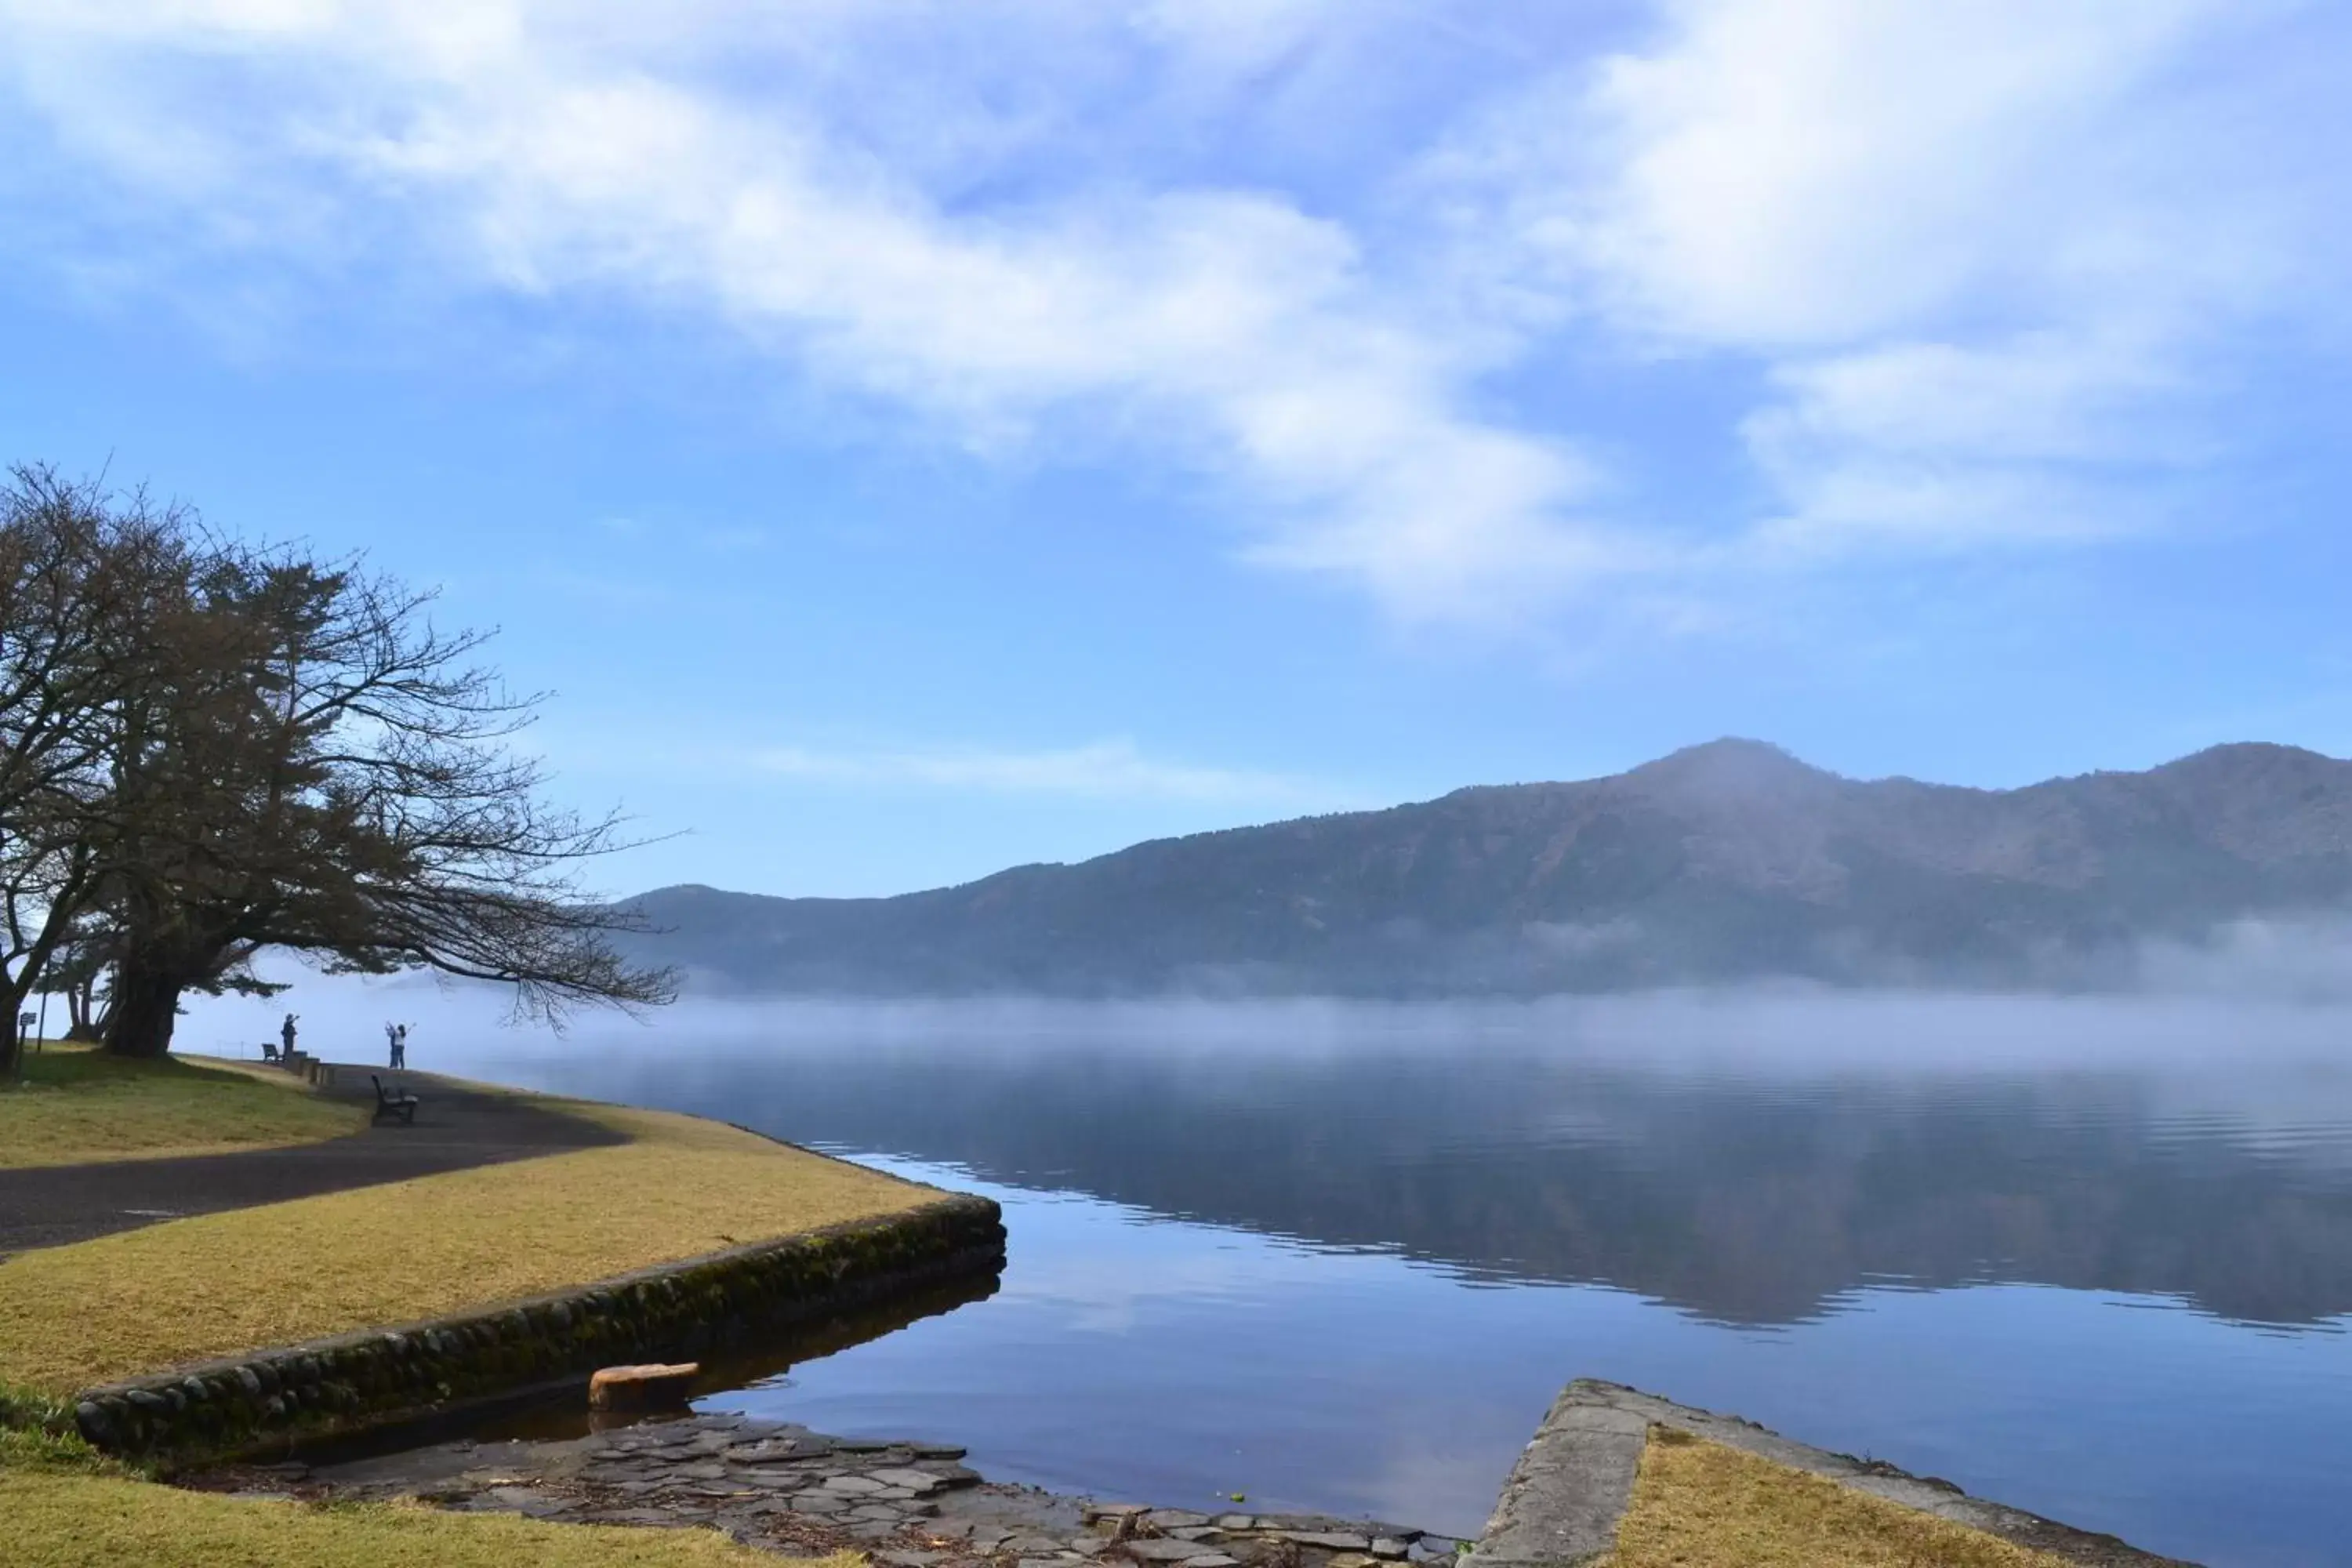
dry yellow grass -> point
(190, 1289)
(1702, 1505)
(77, 1104)
(56, 1520)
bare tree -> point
(79, 970)
(316, 767)
(208, 750)
(83, 580)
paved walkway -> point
(455, 1130)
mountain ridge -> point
(1730, 861)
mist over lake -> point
(2093, 1258)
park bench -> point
(394, 1102)
(269, 1050)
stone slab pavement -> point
(783, 1489)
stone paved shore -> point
(786, 1489)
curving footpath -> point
(455, 1130)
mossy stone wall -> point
(699, 1307)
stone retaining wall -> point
(699, 1307)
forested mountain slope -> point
(1727, 862)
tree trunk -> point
(12, 992)
(85, 1022)
(146, 1005)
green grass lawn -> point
(188, 1289)
(76, 1104)
(1701, 1505)
(71, 1316)
(62, 1510)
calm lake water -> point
(2093, 1260)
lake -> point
(2093, 1260)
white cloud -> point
(1986, 259)
(1804, 172)
(1927, 444)
(1240, 35)
(1226, 326)
(1989, 255)
(1106, 770)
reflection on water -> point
(558, 1410)
(1349, 1278)
(565, 1415)
(1743, 1202)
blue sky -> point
(915, 436)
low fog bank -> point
(2305, 958)
(2266, 990)
(1713, 944)
(2299, 960)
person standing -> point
(399, 1044)
(285, 1034)
(391, 1041)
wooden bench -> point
(394, 1102)
(269, 1050)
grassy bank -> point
(1701, 1505)
(76, 1104)
(196, 1289)
(189, 1290)
(61, 1514)
(76, 1315)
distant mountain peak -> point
(1729, 747)
(2245, 753)
(1731, 766)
